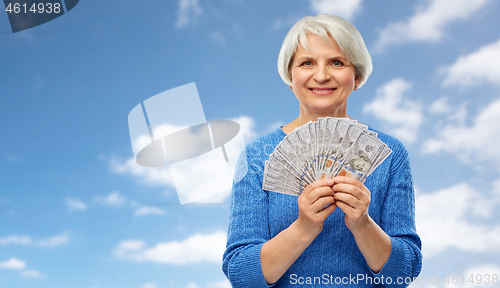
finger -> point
(317, 184)
(322, 202)
(348, 180)
(347, 199)
(317, 193)
(327, 211)
(349, 189)
(348, 209)
(320, 192)
(354, 182)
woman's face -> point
(322, 78)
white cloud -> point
(189, 11)
(31, 273)
(247, 126)
(428, 23)
(402, 115)
(440, 106)
(192, 285)
(220, 284)
(147, 175)
(477, 68)
(478, 142)
(460, 114)
(218, 38)
(146, 210)
(26, 240)
(15, 239)
(114, 199)
(13, 263)
(195, 249)
(75, 205)
(53, 241)
(483, 269)
(212, 176)
(443, 220)
(16, 264)
(129, 245)
(342, 8)
(149, 285)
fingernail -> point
(330, 182)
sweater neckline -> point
(281, 132)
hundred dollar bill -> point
(274, 180)
(360, 157)
(290, 154)
(351, 135)
(381, 157)
(331, 123)
(313, 138)
(304, 137)
(284, 170)
(322, 143)
(269, 186)
(299, 143)
(277, 162)
(334, 145)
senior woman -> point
(338, 231)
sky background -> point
(76, 211)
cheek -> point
(349, 79)
(299, 77)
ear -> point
(356, 83)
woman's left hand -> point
(353, 198)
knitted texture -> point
(332, 259)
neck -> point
(306, 116)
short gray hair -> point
(342, 31)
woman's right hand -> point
(312, 210)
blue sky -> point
(75, 211)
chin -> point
(325, 108)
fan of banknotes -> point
(323, 149)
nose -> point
(322, 74)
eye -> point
(306, 63)
(337, 63)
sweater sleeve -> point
(398, 221)
(248, 227)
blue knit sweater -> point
(332, 259)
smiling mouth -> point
(322, 89)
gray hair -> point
(342, 31)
